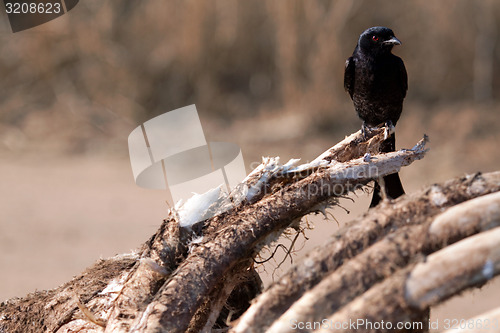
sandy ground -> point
(58, 215)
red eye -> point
(375, 38)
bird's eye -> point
(375, 38)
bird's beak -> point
(393, 41)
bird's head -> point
(377, 41)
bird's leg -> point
(383, 190)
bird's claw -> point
(388, 129)
(364, 131)
(389, 124)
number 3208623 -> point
(33, 8)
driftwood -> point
(201, 277)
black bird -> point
(377, 81)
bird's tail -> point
(393, 186)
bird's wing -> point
(403, 77)
(349, 74)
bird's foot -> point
(388, 129)
(364, 131)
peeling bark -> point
(391, 218)
(173, 284)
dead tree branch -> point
(200, 276)
(372, 249)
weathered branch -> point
(232, 240)
(184, 278)
(470, 262)
(48, 311)
(240, 235)
(407, 227)
(399, 300)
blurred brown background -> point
(267, 75)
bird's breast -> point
(377, 95)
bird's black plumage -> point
(377, 82)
